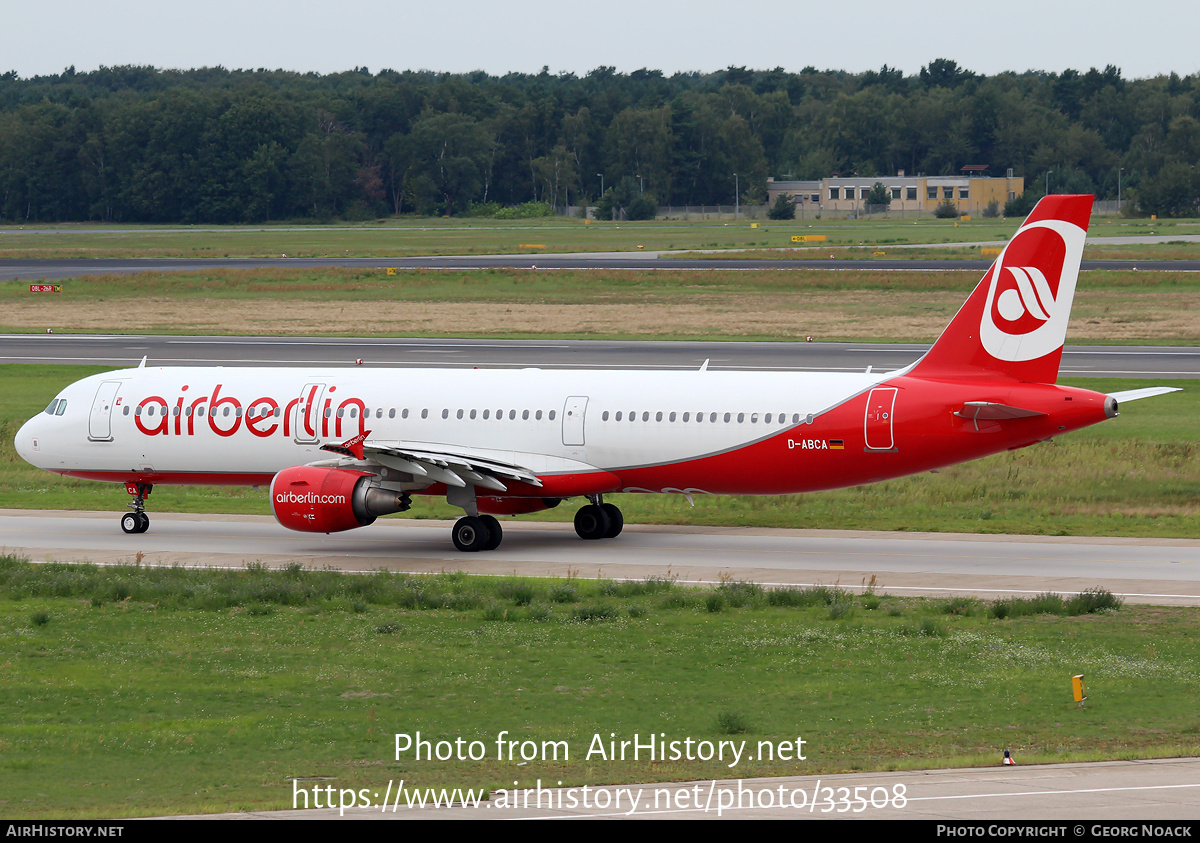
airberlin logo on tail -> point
(1031, 288)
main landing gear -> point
(473, 533)
(477, 532)
(137, 521)
(599, 520)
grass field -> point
(1137, 475)
(1145, 307)
(429, 236)
(131, 691)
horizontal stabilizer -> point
(979, 410)
(1145, 392)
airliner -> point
(339, 447)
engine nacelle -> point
(328, 500)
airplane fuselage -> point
(696, 432)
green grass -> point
(436, 236)
(1146, 307)
(549, 286)
(149, 691)
(1137, 475)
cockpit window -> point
(62, 407)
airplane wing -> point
(441, 464)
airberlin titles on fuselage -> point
(224, 415)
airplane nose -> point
(27, 441)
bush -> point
(784, 208)
(1021, 205)
(1092, 600)
(526, 210)
(540, 612)
(964, 606)
(644, 207)
(946, 211)
(739, 594)
(564, 593)
(992, 210)
(600, 612)
(841, 608)
(732, 723)
(520, 592)
(817, 595)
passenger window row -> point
(343, 412)
(710, 418)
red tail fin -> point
(1015, 322)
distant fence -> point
(685, 212)
(1102, 207)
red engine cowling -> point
(328, 500)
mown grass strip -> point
(467, 236)
(130, 691)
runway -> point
(121, 350)
(1156, 571)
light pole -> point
(1119, 171)
(1048, 172)
(737, 199)
(601, 175)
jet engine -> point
(327, 500)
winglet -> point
(352, 447)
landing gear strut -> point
(137, 521)
(473, 532)
(599, 520)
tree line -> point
(139, 144)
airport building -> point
(971, 192)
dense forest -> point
(137, 144)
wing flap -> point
(452, 468)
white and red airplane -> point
(340, 447)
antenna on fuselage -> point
(142, 365)
(704, 365)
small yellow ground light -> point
(1078, 690)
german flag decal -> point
(837, 444)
